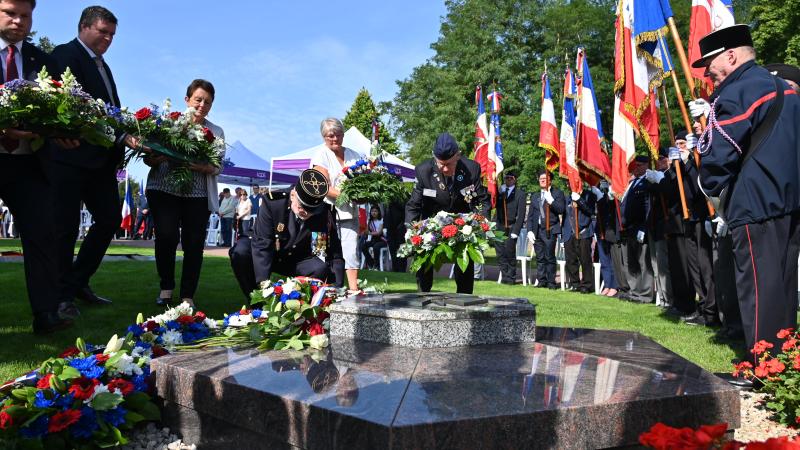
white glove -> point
(610, 193)
(691, 141)
(640, 236)
(575, 196)
(597, 192)
(514, 236)
(674, 154)
(531, 237)
(722, 226)
(654, 176)
(699, 108)
(548, 197)
(709, 231)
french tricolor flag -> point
(126, 207)
(548, 131)
(707, 16)
(569, 166)
(591, 157)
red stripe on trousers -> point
(755, 281)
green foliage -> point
(376, 188)
(360, 116)
(775, 31)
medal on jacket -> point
(436, 177)
(280, 227)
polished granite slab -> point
(430, 320)
(573, 388)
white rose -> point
(289, 286)
(467, 230)
(267, 292)
(319, 341)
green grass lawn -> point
(13, 245)
(133, 286)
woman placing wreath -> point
(178, 213)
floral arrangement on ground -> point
(92, 396)
(55, 109)
(448, 237)
(173, 134)
(370, 181)
(663, 437)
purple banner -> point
(121, 175)
(404, 172)
(291, 164)
(260, 175)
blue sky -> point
(278, 67)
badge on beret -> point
(280, 227)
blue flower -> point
(43, 402)
(140, 383)
(36, 429)
(256, 313)
(87, 366)
(143, 345)
(283, 298)
(86, 425)
(173, 325)
(115, 416)
(294, 295)
(64, 401)
(136, 330)
(15, 85)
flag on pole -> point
(591, 158)
(569, 166)
(126, 207)
(494, 98)
(376, 130)
(707, 16)
(490, 155)
(548, 131)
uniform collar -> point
(733, 76)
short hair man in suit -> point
(81, 172)
(510, 218)
(23, 185)
(544, 226)
(442, 184)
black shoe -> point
(68, 311)
(552, 287)
(87, 295)
(163, 301)
(703, 321)
(691, 316)
(673, 311)
(46, 323)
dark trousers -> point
(618, 260)
(225, 229)
(606, 264)
(578, 255)
(507, 259)
(398, 264)
(765, 255)
(98, 190)
(241, 255)
(725, 282)
(545, 248)
(25, 191)
(464, 280)
(701, 269)
(179, 219)
(640, 272)
(147, 220)
(376, 244)
(682, 289)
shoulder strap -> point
(766, 127)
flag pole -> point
(676, 163)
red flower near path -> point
(69, 351)
(416, 240)
(459, 221)
(83, 387)
(174, 115)
(199, 316)
(125, 387)
(760, 347)
(662, 436)
(789, 344)
(6, 421)
(780, 443)
(143, 113)
(449, 231)
(326, 301)
(158, 351)
(61, 420)
(44, 383)
(775, 366)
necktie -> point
(449, 183)
(106, 80)
(12, 73)
(508, 193)
(541, 207)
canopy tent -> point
(299, 161)
(244, 168)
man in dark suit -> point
(635, 210)
(544, 227)
(293, 236)
(394, 217)
(23, 185)
(442, 184)
(510, 218)
(578, 244)
(81, 172)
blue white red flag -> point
(126, 207)
(569, 127)
(707, 16)
(548, 130)
(591, 158)
(376, 130)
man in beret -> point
(510, 218)
(789, 73)
(452, 183)
(750, 164)
(635, 211)
(294, 235)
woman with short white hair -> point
(330, 160)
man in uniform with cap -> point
(294, 235)
(510, 218)
(750, 154)
(544, 226)
(635, 210)
(789, 73)
(447, 182)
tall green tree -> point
(775, 32)
(361, 115)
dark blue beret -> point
(446, 147)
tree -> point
(775, 32)
(44, 44)
(361, 115)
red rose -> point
(174, 115)
(185, 320)
(150, 326)
(125, 387)
(61, 420)
(416, 240)
(484, 226)
(459, 221)
(101, 358)
(159, 351)
(208, 135)
(56, 83)
(315, 329)
(6, 421)
(44, 383)
(449, 231)
(326, 301)
(83, 387)
(278, 290)
(199, 316)
(314, 289)
(143, 113)
(69, 351)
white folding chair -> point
(212, 231)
